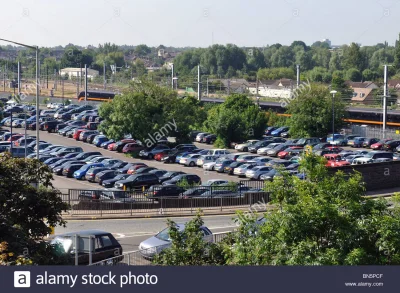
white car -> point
(218, 152)
(363, 160)
(245, 146)
(205, 159)
(209, 166)
(189, 160)
(214, 182)
(49, 105)
(264, 150)
(57, 106)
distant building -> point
(279, 89)
(364, 84)
(76, 72)
(328, 42)
(363, 92)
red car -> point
(379, 144)
(335, 160)
(132, 147)
(77, 132)
(335, 148)
(133, 169)
(15, 137)
(160, 156)
(283, 154)
(111, 146)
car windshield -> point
(164, 235)
(64, 243)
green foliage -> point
(275, 73)
(27, 212)
(67, 102)
(353, 57)
(46, 101)
(275, 120)
(188, 247)
(312, 112)
(237, 119)
(353, 74)
(146, 109)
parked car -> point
(210, 139)
(108, 183)
(80, 174)
(155, 244)
(191, 179)
(201, 135)
(157, 191)
(105, 246)
(190, 160)
(150, 153)
(279, 131)
(391, 145)
(357, 142)
(370, 141)
(137, 181)
(379, 145)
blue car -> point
(279, 131)
(337, 136)
(3, 121)
(99, 139)
(80, 174)
(105, 144)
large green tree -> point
(237, 119)
(146, 110)
(27, 212)
(311, 111)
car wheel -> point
(150, 156)
(245, 149)
(191, 164)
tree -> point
(312, 112)
(142, 50)
(147, 109)
(26, 212)
(369, 75)
(324, 220)
(188, 247)
(352, 57)
(73, 57)
(397, 55)
(237, 119)
(275, 73)
(353, 74)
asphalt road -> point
(130, 232)
(63, 183)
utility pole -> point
(385, 95)
(86, 81)
(198, 83)
(62, 88)
(4, 79)
(77, 85)
(207, 87)
(19, 78)
(229, 87)
(172, 75)
(257, 84)
(55, 79)
(47, 76)
(104, 74)
(80, 77)
(298, 75)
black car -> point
(229, 169)
(84, 155)
(137, 181)
(169, 175)
(51, 126)
(191, 179)
(58, 170)
(110, 182)
(210, 139)
(105, 246)
(370, 141)
(118, 165)
(91, 173)
(262, 143)
(391, 145)
(69, 170)
(105, 175)
(157, 191)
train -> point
(96, 95)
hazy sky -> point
(198, 23)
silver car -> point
(256, 172)
(205, 159)
(189, 160)
(241, 170)
(157, 243)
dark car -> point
(69, 170)
(51, 126)
(91, 174)
(210, 139)
(118, 165)
(105, 175)
(169, 175)
(391, 145)
(157, 191)
(191, 179)
(137, 181)
(229, 169)
(308, 141)
(279, 131)
(220, 165)
(262, 143)
(105, 246)
(58, 170)
(119, 146)
(370, 141)
(269, 130)
(108, 183)
(84, 155)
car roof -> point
(84, 233)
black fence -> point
(102, 202)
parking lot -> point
(63, 183)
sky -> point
(194, 23)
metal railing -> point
(104, 202)
(374, 132)
(144, 257)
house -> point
(363, 95)
(364, 84)
(394, 84)
(77, 72)
(279, 89)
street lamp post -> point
(258, 102)
(36, 48)
(333, 114)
